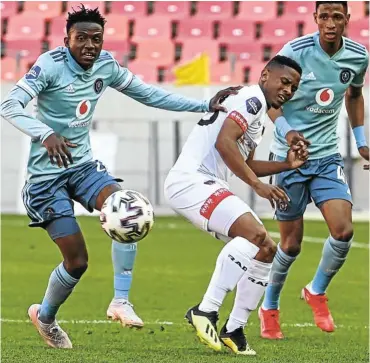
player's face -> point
(85, 41)
(280, 85)
(331, 20)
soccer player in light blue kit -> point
(68, 81)
(334, 68)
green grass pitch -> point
(173, 268)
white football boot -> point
(53, 334)
(123, 311)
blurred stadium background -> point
(152, 39)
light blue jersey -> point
(66, 99)
(315, 107)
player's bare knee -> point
(291, 247)
(76, 267)
(343, 233)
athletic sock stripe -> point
(62, 280)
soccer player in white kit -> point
(220, 145)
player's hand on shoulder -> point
(364, 152)
(57, 148)
(271, 192)
(215, 104)
(293, 137)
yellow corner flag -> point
(195, 71)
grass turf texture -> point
(173, 268)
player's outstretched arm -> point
(12, 109)
(356, 113)
(160, 98)
(283, 128)
(266, 168)
(226, 145)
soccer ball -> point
(127, 216)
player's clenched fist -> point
(57, 147)
(271, 192)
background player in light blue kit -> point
(334, 68)
(68, 81)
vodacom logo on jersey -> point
(324, 97)
(83, 109)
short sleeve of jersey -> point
(39, 77)
(286, 51)
(122, 77)
(359, 79)
(246, 110)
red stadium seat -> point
(120, 49)
(356, 9)
(116, 28)
(174, 10)
(132, 9)
(215, 10)
(10, 71)
(88, 4)
(223, 74)
(253, 71)
(359, 31)
(194, 29)
(257, 11)
(54, 42)
(144, 70)
(191, 48)
(156, 51)
(152, 28)
(58, 26)
(299, 10)
(309, 26)
(44, 9)
(27, 48)
(236, 30)
(245, 52)
(8, 8)
(279, 31)
(25, 26)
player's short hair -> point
(84, 15)
(281, 61)
(344, 3)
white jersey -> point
(248, 109)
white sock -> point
(232, 262)
(249, 292)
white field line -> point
(182, 226)
(157, 322)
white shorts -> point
(204, 201)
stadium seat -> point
(223, 74)
(25, 26)
(257, 11)
(156, 51)
(194, 29)
(132, 9)
(174, 10)
(44, 9)
(9, 70)
(58, 26)
(357, 10)
(359, 31)
(27, 48)
(298, 10)
(120, 49)
(8, 8)
(152, 28)
(309, 26)
(215, 10)
(87, 4)
(245, 52)
(144, 70)
(252, 72)
(236, 30)
(279, 31)
(191, 48)
(116, 28)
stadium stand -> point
(236, 35)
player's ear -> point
(66, 42)
(315, 17)
(264, 75)
(348, 16)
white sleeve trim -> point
(357, 85)
(127, 82)
(26, 87)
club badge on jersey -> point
(345, 76)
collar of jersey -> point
(75, 67)
(316, 38)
